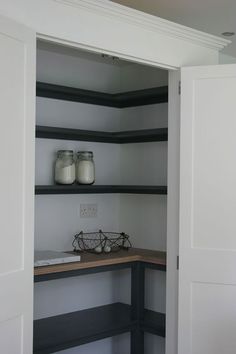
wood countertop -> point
(90, 260)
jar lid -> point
(85, 153)
(65, 152)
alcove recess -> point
(118, 110)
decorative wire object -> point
(100, 242)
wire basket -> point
(100, 242)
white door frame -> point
(123, 32)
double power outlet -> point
(88, 210)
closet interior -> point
(118, 110)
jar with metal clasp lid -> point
(65, 167)
(85, 168)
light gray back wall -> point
(61, 67)
(135, 77)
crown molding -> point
(149, 22)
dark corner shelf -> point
(143, 136)
(96, 189)
(118, 100)
(125, 137)
(154, 323)
(72, 329)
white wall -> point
(226, 59)
(57, 217)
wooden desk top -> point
(90, 260)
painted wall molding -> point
(149, 22)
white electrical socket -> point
(88, 210)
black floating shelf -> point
(118, 100)
(154, 322)
(137, 136)
(143, 136)
(72, 329)
(98, 189)
(76, 328)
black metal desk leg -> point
(137, 341)
(137, 306)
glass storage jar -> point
(85, 168)
(65, 167)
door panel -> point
(9, 328)
(17, 112)
(214, 320)
(207, 277)
(11, 84)
(214, 139)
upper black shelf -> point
(118, 100)
(98, 189)
(125, 137)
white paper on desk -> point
(43, 258)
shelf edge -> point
(120, 100)
(99, 189)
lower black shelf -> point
(154, 322)
(73, 329)
(96, 189)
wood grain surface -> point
(90, 260)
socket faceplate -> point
(88, 210)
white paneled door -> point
(207, 268)
(17, 115)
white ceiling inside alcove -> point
(211, 16)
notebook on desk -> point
(44, 258)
